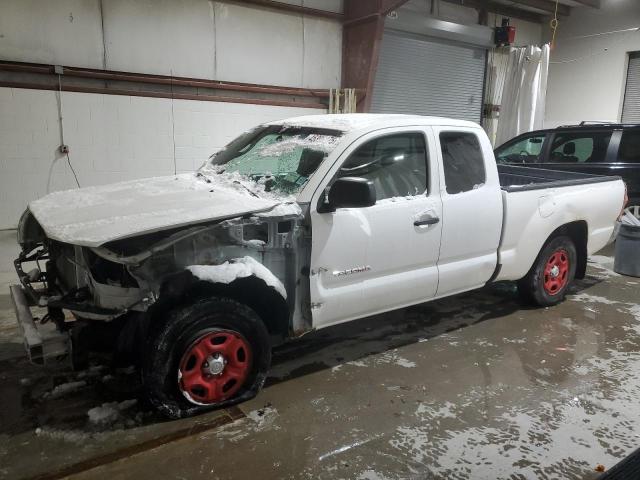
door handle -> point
(426, 221)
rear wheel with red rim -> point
(547, 282)
(556, 272)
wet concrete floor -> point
(475, 386)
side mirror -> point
(349, 192)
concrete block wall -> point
(111, 138)
(115, 138)
(189, 38)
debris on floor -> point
(454, 388)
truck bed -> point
(538, 201)
(516, 179)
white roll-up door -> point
(426, 76)
(631, 108)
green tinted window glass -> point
(526, 150)
(588, 147)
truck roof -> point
(348, 122)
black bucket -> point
(627, 251)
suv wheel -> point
(633, 210)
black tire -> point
(535, 286)
(175, 335)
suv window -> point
(574, 147)
(463, 161)
(526, 150)
(397, 165)
(629, 151)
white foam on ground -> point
(109, 412)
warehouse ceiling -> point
(548, 6)
(531, 10)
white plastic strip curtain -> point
(497, 60)
(524, 93)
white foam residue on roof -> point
(347, 122)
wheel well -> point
(578, 232)
(184, 288)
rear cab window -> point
(463, 162)
(579, 147)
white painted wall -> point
(115, 138)
(160, 36)
(587, 75)
(111, 137)
(296, 51)
(191, 38)
(62, 32)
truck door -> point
(378, 258)
(471, 207)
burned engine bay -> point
(128, 277)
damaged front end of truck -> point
(106, 298)
(105, 264)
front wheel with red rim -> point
(214, 367)
(553, 271)
(211, 354)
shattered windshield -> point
(281, 158)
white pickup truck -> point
(296, 225)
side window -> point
(462, 161)
(589, 147)
(629, 151)
(526, 150)
(397, 165)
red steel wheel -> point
(214, 367)
(551, 274)
(556, 271)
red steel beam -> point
(177, 96)
(161, 79)
(361, 39)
